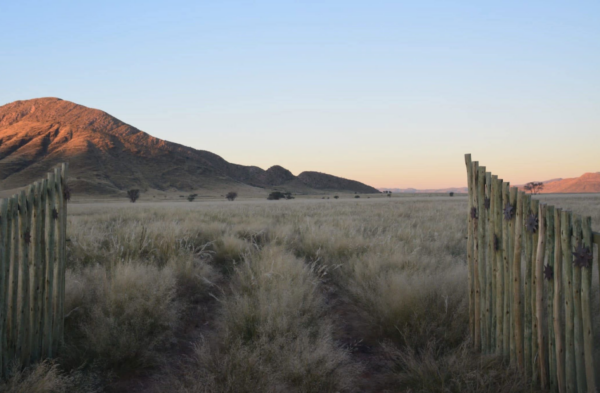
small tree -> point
(133, 195)
(356, 196)
(335, 196)
(275, 196)
(191, 197)
(451, 194)
(534, 187)
(231, 195)
(389, 194)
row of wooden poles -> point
(32, 271)
(530, 277)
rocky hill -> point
(107, 156)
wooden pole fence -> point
(32, 271)
(530, 271)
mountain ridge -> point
(589, 182)
(107, 155)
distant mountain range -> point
(426, 191)
(107, 156)
(586, 183)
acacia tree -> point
(231, 195)
(133, 195)
(534, 187)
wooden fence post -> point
(488, 263)
(527, 287)
(470, 246)
(539, 297)
(535, 207)
(512, 245)
(558, 303)
(58, 264)
(550, 298)
(481, 255)
(566, 232)
(23, 292)
(506, 323)
(35, 269)
(4, 271)
(63, 245)
(517, 303)
(586, 284)
(577, 326)
(12, 324)
(477, 305)
(506, 338)
(498, 252)
(50, 256)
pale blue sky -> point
(391, 93)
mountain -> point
(459, 190)
(588, 182)
(108, 156)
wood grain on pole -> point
(567, 264)
(535, 206)
(527, 314)
(63, 270)
(586, 287)
(577, 325)
(35, 270)
(481, 255)
(489, 262)
(539, 298)
(498, 252)
(43, 263)
(477, 305)
(558, 303)
(4, 263)
(506, 337)
(50, 257)
(63, 245)
(512, 244)
(470, 246)
(517, 303)
(12, 324)
(551, 350)
(23, 292)
(58, 265)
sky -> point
(390, 93)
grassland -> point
(307, 295)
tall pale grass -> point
(137, 268)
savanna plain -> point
(303, 295)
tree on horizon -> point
(534, 187)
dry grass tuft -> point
(273, 334)
(120, 318)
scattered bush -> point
(336, 196)
(356, 196)
(133, 195)
(277, 195)
(191, 197)
(231, 196)
(389, 194)
(451, 194)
